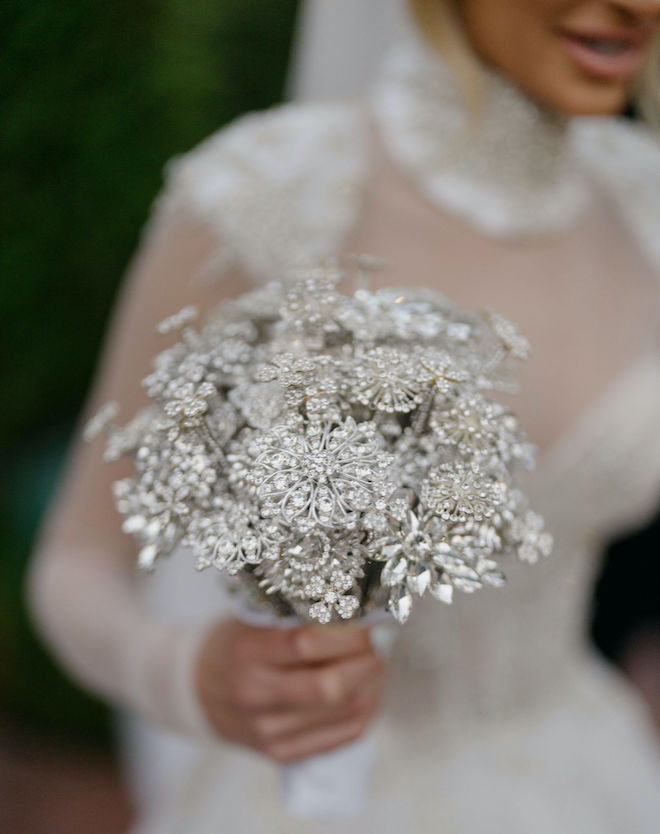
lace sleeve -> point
(276, 186)
(82, 586)
(245, 204)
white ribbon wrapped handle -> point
(335, 784)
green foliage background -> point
(96, 98)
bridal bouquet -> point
(338, 454)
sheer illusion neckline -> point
(512, 173)
(585, 423)
(565, 445)
(615, 395)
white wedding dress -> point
(499, 717)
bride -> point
(487, 162)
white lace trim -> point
(625, 158)
(510, 174)
(277, 186)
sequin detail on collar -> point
(512, 175)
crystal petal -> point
(442, 590)
(400, 603)
(495, 578)
(419, 579)
(147, 557)
(395, 571)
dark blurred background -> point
(96, 98)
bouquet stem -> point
(335, 784)
(331, 785)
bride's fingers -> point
(319, 740)
(299, 646)
(327, 685)
(270, 727)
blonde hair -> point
(648, 87)
(438, 22)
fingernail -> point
(305, 645)
(331, 688)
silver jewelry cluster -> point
(335, 453)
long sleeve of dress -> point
(82, 586)
(89, 613)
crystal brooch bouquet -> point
(338, 454)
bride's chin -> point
(572, 96)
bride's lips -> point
(607, 54)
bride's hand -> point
(289, 693)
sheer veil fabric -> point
(331, 57)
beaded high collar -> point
(513, 175)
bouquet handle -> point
(335, 784)
(330, 785)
